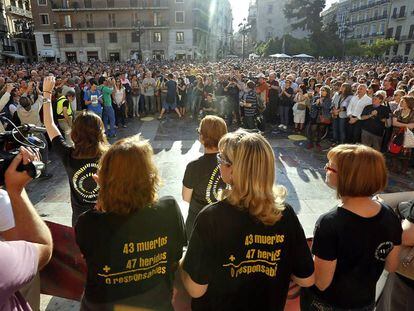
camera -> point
(10, 141)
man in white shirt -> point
(354, 110)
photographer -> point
(5, 104)
(31, 249)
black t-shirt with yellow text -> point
(246, 264)
(129, 255)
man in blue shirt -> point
(93, 98)
(171, 99)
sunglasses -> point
(328, 168)
(222, 160)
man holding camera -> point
(31, 247)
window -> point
(157, 19)
(111, 18)
(402, 11)
(113, 37)
(398, 32)
(44, 19)
(134, 36)
(407, 49)
(90, 37)
(157, 37)
(179, 37)
(89, 20)
(68, 21)
(411, 32)
(69, 38)
(394, 13)
(46, 39)
(110, 3)
(42, 2)
(270, 8)
(88, 4)
(390, 31)
(179, 1)
(382, 28)
(373, 29)
(179, 17)
(133, 3)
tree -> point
(379, 47)
(306, 15)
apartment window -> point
(110, 3)
(179, 37)
(88, 4)
(157, 19)
(113, 37)
(411, 32)
(44, 19)
(390, 31)
(398, 32)
(407, 48)
(68, 21)
(157, 37)
(89, 20)
(394, 12)
(46, 39)
(179, 17)
(134, 36)
(179, 1)
(133, 3)
(111, 18)
(402, 11)
(68, 38)
(373, 29)
(90, 37)
(382, 28)
(42, 2)
(270, 8)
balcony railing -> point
(399, 16)
(141, 5)
(8, 48)
(102, 25)
(18, 11)
(370, 19)
(370, 5)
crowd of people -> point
(241, 243)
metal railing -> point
(120, 24)
(370, 5)
(140, 4)
(18, 11)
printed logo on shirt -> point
(212, 190)
(84, 184)
(138, 268)
(257, 260)
(383, 250)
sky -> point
(241, 10)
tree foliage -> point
(306, 15)
(379, 47)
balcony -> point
(103, 25)
(407, 38)
(373, 4)
(18, 11)
(8, 48)
(141, 5)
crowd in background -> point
(244, 241)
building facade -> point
(109, 30)
(271, 21)
(401, 27)
(16, 32)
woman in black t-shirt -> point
(80, 161)
(245, 249)
(202, 181)
(133, 241)
(354, 242)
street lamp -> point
(139, 31)
(245, 29)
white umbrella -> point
(280, 56)
(302, 56)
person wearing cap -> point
(373, 119)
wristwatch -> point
(46, 100)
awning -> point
(47, 53)
(13, 55)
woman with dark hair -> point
(81, 160)
(245, 249)
(340, 102)
(182, 96)
(133, 241)
(320, 116)
(372, 89)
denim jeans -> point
(108, 118)
(339, 131)
(284, 115)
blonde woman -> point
(137, 238)
(354, 242)
(245, 249)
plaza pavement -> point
(175, 144)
